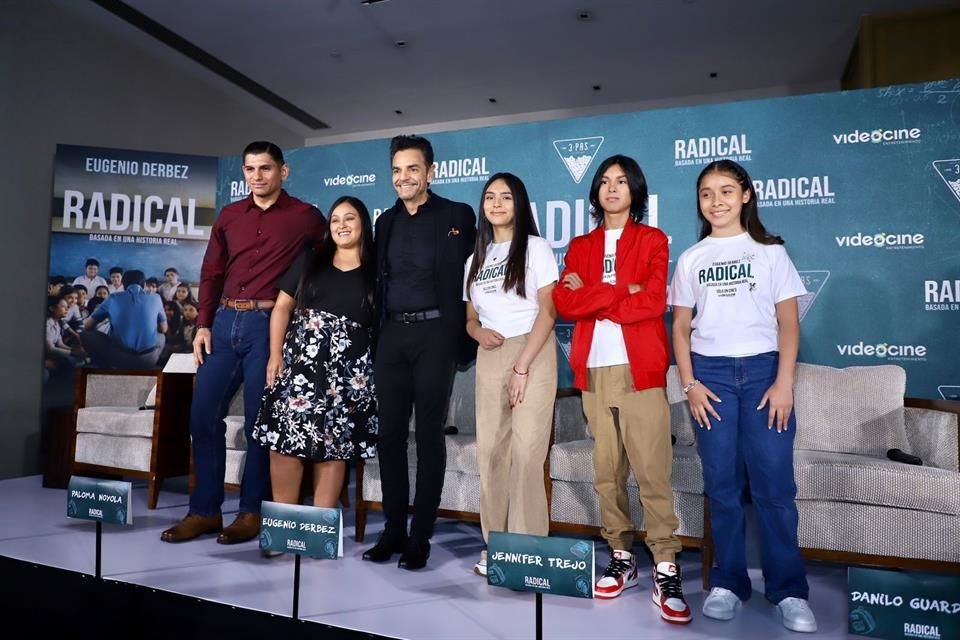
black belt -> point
(408, 317)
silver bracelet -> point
(690, 385)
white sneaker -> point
(481, 567)
(721, 604)
(796, 615)
(620, 574)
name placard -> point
(309, 531)
(558, 566)
(99, 500)
(903, 604)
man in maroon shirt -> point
(252, 243)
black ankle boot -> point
(415, 554)
(386, 546)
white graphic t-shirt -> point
(608, 348)
(734, 284)
(504, 311)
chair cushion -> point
(681, 422)
(875, 481)
(569, 422)
(115, 421)
(151, 400)
(119, 390)
(236, 403)
(461, 455)
(233, 473)
(573, 462)
(236, 439)
(852, 410)
(462, 412)
(114, 451)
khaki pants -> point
(631, 430)
(512, 444)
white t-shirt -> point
(504, 311)
(734, 284)
(90, 283)
(608, 348)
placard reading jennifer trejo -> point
(102, 500)
(558, 566)
(310, 531)
(903, 604)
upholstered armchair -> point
(132, 423)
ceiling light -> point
(371, 2)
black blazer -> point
(455, 228)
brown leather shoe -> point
(245, 527)
(192, 526)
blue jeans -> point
(241, 348)
(739, 447)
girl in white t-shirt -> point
(736, 359)
(508, 289)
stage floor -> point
(445, 600)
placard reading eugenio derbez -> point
(309, 531)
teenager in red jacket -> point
(614, 286)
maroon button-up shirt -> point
(250, 248)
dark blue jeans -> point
(739, 447)
(241, 348)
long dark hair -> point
(177, 321)
(636, 182)
(523, 226)
(749, 215)
(321, 259)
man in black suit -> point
(422, 242)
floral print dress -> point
(323, 404)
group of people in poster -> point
(90, 323)
(339, 334)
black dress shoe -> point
(415, 554)
(385, 548)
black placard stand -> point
(539, 615)
(99, 545)
(296, 586)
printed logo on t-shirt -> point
(490, 277)
(610, 268)
(727, 277)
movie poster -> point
(128, 234)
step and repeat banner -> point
(864, 186)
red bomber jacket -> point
(642, 258)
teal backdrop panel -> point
(864, 186)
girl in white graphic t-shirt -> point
(736, 359)
(508, 289)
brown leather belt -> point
(246, 305)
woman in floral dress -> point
(319, 407)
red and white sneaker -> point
(621, 574)
(668, 594)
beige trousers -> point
(631, 430)
(512, 444)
